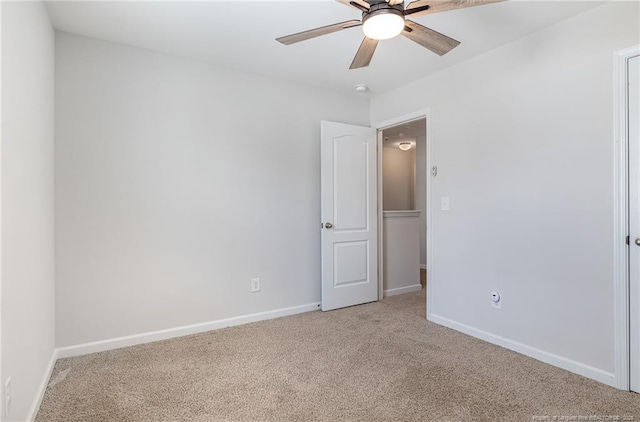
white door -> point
(349, 215)
(634, 217)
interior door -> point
(349, 215)
(633, 72)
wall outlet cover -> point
(255, 285)
(496, 300)
(7, 397)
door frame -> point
(424, 113)
(621, 218)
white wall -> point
(522, 137)
(398, 178)
(401, 252)
(27, 202)
(176, 183)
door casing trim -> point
(621, 217)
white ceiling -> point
(241, 35)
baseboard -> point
(546, 357)
(401, 290)
(35, 406)
(132, 340)
(423, 266)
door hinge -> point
(627, 240)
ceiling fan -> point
(385, 19)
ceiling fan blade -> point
(312, 33)
(364, 54)
(427, 7)
(428, 38)
(361, 5)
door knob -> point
(637, 241)
(329, 225)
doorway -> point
(403, 203)
(404, 176)
(633, 133)
(627, 213)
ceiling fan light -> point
(405, 146)
(384, 24)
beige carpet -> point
(377, 362)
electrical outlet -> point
(7, 397)
(444, 203)
(255, 285)
(496, 300)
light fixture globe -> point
(383, 23)
(405, 146)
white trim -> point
(416, 115)
(380, 218)
(2, 380)
(132, 340)
(429, 226)
(35, 406)
(423, 266)
(546, 357)
(402, 290)
(398, 213)
(620, 211)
